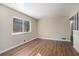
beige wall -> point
(7, 40)
(54, 28)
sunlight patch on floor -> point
(38, 54)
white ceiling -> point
(44, 10)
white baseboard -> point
(15, 46)
(55, 39)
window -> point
(26, 26)
(21, 26)
(17, 25)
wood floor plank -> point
(59, 49)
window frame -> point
(23, 32)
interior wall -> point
(8, 40)
(54, 28)
(76, 40)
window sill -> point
(19, 33)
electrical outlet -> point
(24, 40)
(63, 38)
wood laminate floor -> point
(39, 47)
